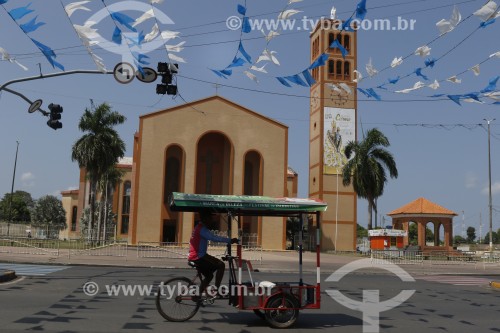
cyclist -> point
(206, 263)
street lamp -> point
(12, 191)
(489, 179)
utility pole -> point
(480, 228)
(463, 224)
(489, 182)
(12, 191)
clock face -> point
(315, 99)
(338, 96)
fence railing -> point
(25, 245)
(181, 250)
(109, 248)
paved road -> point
(55, 302)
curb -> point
(7, 276)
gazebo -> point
(422, 211)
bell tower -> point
(333, 123)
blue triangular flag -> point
(296, 79)
(364, 92)
(321, 61)
(48, 53)
(347, 25)
(117, 36)
(430, 62)
(227, 72)
(487, 23)
(237, 62)
(309, 79)
(455, 98)
(3, 2)
(372, 93)
(283, 82)
(361, 10)
(418, 71)
(124, 19)
(474, 96)
(242, 10)
(394, 81)
(140, 58)
(218, 73)
(245, 25)
(244, 53)
(19, 13)
(382, 86)
(496, 103)
(336, 44)
(31, 25)
(492, 86)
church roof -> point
(198, 106)
(422, 206)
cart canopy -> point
(245, 204)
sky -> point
(440, 147)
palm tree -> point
(367, 168)
(106, 185)
(99, 148)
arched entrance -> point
(214, 165)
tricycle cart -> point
(277, 302)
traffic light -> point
(55, 116)
(167, 72)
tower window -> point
(347, 69)
(338, 68)
(347, 42)
(331, 67)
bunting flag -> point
(73, 7)
(396, 62)
(336, 45)
(6, 56)
(446, 26)
(321, 61)
(28, 27)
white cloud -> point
(28, 179)
(470, 180)
(495, 189)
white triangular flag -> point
(166, 35)
(293, 1)
(176, 58)
(155, 31)
(287, 14)
(334, 87)
(72, 7)
(175, 48)
(144, 17)
(370, 69)
(259, 69)
(496, 54)
(423, 51)
(396, 62)
(268, 56)
(454, 79)
(493, 95)
(358, 77)
(434, 85)
(476, 70)
(272, 34)
(446, 26)
(345, 87)
(416, 86)
(251, 76)
(156, 1)
(487, 12)
(6, 56)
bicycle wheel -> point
(174, 301)
(285, 313)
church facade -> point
(210, 146)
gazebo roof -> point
(422, 206)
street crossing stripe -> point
(456, 280)
(31, 270)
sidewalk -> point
(272, 261)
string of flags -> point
(90, 37)
(17, 15)
(487, 14)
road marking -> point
(456, 280)
(32, 270)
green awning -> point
(245, 204)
